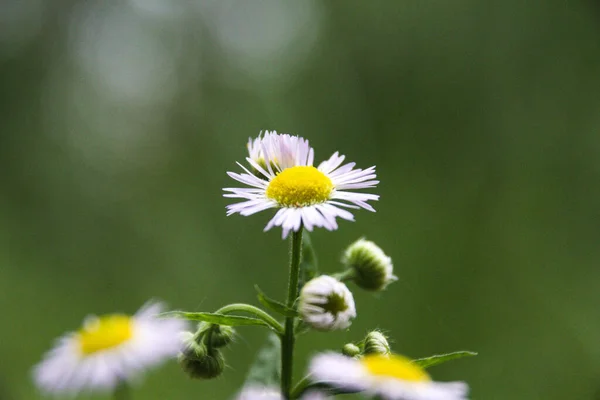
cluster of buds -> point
(375, 343)
(327, 304)
(201, 357)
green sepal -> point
(309, 266)
(215, 318)
(266, 368)
(442, 358)
(275, 305)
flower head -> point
(326, 304)
(371, 268)
(392, 378)
(108, 349)
(285, 178)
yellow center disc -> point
(104, 333)
(299, 187)
(394, 366)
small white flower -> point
(109, 349)
(284, 178)
(371, 268)
(326, 304)
(271, 393)
(391, 377)
(259, 393)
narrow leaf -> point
(309, 266)
(305, 386)
(442, 358)
(214, 318)
(274, 305)
(266, 368)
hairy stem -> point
(288, 338)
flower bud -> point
(326, 304)
(199, 362)
(376, 343)
(370, 268)
(350, 350)
(214, 336)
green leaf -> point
(309, 266)
(306, 384)
(266, 368)
(442, 358)
(274, 305)
(214, 318)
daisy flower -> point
(390, 377)
(109, 349)
(284, 178)
(326, 304)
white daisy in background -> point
(271, 393)
(108, 350)
(326, 304)
(259, 393)
(390, 377)
(285, 178)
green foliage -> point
(219, 319)
(309, 265)
(274, 305)
(266, 368)
(442, 358)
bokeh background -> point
(119, 120)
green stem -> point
(122, 391)
(345, 275)
(288, 338)
(257, 312)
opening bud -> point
(376, 343)
(368, 266)
(326, 304)
(351, 350)
(200, 362)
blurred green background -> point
(120, 119)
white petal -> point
(341, 371)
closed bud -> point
(350, 350)
(200, 362)
(326, 304)
(368, 266)
(376, 343)
(214, 336)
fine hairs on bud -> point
(368, 266)
(376, 343)
(214, 336)
(200, 361)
